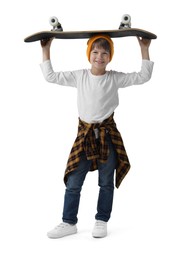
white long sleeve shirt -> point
(97, 96)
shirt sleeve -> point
(136, 78)
(66, 78)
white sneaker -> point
(100, 229)
(63, 229)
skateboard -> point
(57, 32)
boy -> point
(98, 144)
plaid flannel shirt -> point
(86, 142)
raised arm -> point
(144, 45)
(67, 78)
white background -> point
(38, 124)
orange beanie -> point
(94, 38)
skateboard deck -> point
(58, 33)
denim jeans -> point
(105, 182)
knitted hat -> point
(94, 38)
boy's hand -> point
(144, 45)
(46, 44)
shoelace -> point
(100, 224)
(62, 225)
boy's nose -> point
(100, 55)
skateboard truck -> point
(125, 22)
(55, 23)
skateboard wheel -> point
(53, 21)
(125, 22)
(126, 19)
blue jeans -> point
(105, 182)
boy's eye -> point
(104, 53)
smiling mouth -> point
(100, 62)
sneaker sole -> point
(99, 236)
(60, 236)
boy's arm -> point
(144, 45)
(136, 78)
(61, 78)
(46, 44)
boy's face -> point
(99, 58)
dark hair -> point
(101, 43)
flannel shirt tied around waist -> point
(91, 139)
